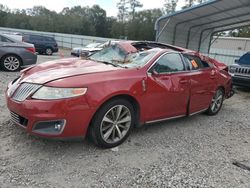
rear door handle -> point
(183, 81)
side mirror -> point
(236, 61)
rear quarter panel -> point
(27, 57)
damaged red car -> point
(125, 85)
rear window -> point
(245, 59)
(4, 39)
(195, 62)
(33, 37)
(49, 39)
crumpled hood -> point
(53, 70)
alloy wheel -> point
(115, 124)
(11, 63)
(49, 51)
(217, 101)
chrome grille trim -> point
(24, 91)
(243, 70)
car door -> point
(38, 42)
(202, 82)
(167, 88)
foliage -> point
(86, 20)
(130, 23)
(170, 6)
(190, 3)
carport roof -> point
(194, 27)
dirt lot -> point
(189, 152)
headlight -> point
(58, 93)
(232, 69)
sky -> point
(58, 5)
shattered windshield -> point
(118, 57)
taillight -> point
(31, 49)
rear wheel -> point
(11, 63)
(216, 102)
(48, 51)
(112, 123)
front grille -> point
(24, 91)
(18, 119)
(243, 70)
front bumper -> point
(243, 81)
(75, 112)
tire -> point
(216, 102)
(105, 130)
(11, 63)
(48, 51)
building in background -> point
(227, 49)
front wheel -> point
(216, 102)
(112, 123)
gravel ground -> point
(191, 152)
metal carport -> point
(194, 27)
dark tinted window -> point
(33, 37)
(50, 39)
(171, 62)
(245, 59)
(195, 62)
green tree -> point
(142, 27)
(170, 6)
(97, 17)
(188, 3)
(133, 5)
(122, 6)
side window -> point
(245, 59)
(195, 62)
(36, 38)
(168, 63)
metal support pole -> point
(158, 36)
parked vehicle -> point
(15, 36)
(15, 54)
(91, 48)
(43, 44)
(125, 85)
(87, 50)
(240, 71)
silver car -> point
(15, 54)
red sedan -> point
(125, 85)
